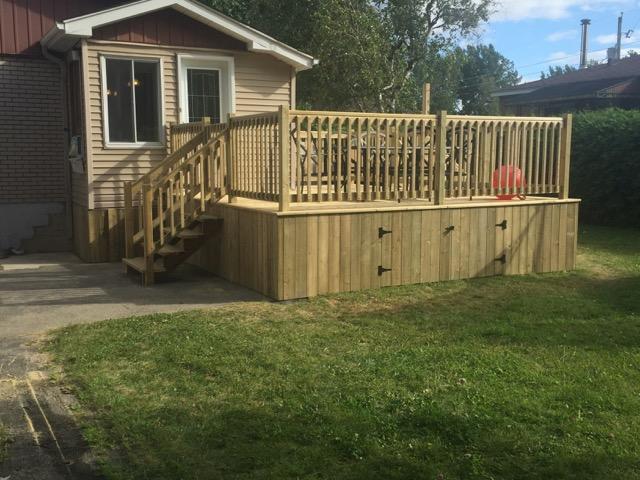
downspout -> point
(67, 176)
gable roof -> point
(65, 34)
(597, 76)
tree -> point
(483, 71)
(555, 70)
(374, 54)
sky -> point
(535, 34)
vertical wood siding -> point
(262, 83)
(24, 22)
(168, 27)
(296, 256)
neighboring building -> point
(616, 84)
(87, 90)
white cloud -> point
(514, 10)
(564, 35)
(563, 58)
(611, 39)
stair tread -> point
(205, 217)
(169, 249)
(189, 233)
(139, 264)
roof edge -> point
(63, 35)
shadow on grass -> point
(251, 443)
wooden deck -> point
(308, 203)
(313, 249)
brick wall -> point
(32, 163)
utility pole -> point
(619, 37)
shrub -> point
(605, 166)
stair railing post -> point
(128, 221)
(149, 246)
(228, 140)
(441, 158)
(565, 156)
(284, 156)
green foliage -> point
(374, 54)
(556, 70)
(605, 166)
(528, 377)
(483, 71)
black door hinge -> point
(502, 224)
(381, 270)
(502, 259)
(382, 232)
(450, 228)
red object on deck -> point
(508, 176)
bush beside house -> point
(605, 166)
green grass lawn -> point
(4, 439)
(513, 377)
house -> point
(104, 79)
(160, 131)
(615, 84)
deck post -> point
(284, 156)
(565, 156)
(426, 98)
(229, 154)
(441, 157)
(128, 220)
(148, 233)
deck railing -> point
(254, 157)
(312, 156)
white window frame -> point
(105, 103)
(224, 64)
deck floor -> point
(384, 205)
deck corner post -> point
(565, 156)
(426, 98)
(148, 233)
(229, 157)
(128, 220)
(441, 157)
(284, 154)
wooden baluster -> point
(339, 180)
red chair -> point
(508, 176)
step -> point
(205, 217)
(169, 249)
(139, 264)
(189, 233)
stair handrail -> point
(196, 167)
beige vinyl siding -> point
(261, 84)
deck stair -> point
(166, 211)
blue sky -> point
(538, 33)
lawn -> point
(4, 440)
(512, 377)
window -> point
(207, 85)
(203, 92)
(132, 94)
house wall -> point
(24, 22)
(297, 255)
(261, 84)
(33, 168)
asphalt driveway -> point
(46, 291)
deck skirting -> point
(304, 254)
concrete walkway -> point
(46, 291)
